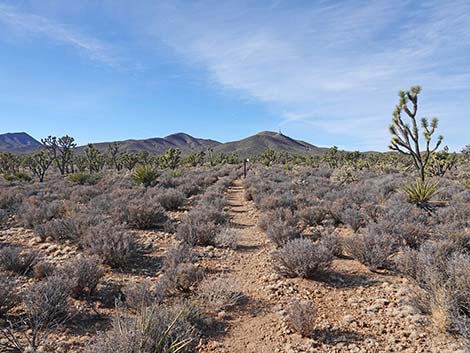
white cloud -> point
(35, 25)
(326, 64)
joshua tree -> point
(61, 149)
(466, 152)
(406, 138)
(128, 160)
(113, 153)
(95, 159)
(171, 158)
(39, 163)
(195, 159)
(9, 163)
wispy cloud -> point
(35, 25)
(327, 65)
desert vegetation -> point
(110, 250)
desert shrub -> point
(189, 188)
(183, 277)
(34, 212)
(8, 296)
(213, 199)
(301, 316)
(156, 329)
(113, 243)
(47, 307)
(227, 238)
(145, 175)
(3, 218)
(314, 215)
(219, 292)
(11, 199)
(139, 295)
(302, 258)
(333, 241)
(179, 254)
(353, 217)
(410, 225)
(171, 199)
(278, 200)
(43, 269)
(280, 232)
(197, 232)
(47, 301)
(84, 274)
(14, 259)
(142, 213)
(372, 248)
(84, 178)
(59, 229)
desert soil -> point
(357, 310)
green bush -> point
(145, 175)
(84, 178)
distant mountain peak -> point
(18, 142)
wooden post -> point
(244, 167)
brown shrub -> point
(372, 248)
(302, 317)
(14, 259)
(8, 296)
(302, 258)
(219, 292)
(114, 244)
(84, 274)
(43, 269)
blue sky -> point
(327, 72)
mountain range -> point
(23, 143)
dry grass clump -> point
(218, 293)
(155, 329)
(14, 259)
(302, 258)
(112, 243)
(302, 317)
(443, 277)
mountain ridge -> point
(247, 147)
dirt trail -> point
(357, 310)
(253, 327)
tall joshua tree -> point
(406, 138)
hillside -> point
(258, 143)
(158, 145)
(18, 142)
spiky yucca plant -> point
(421, 192)
(145, 175)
